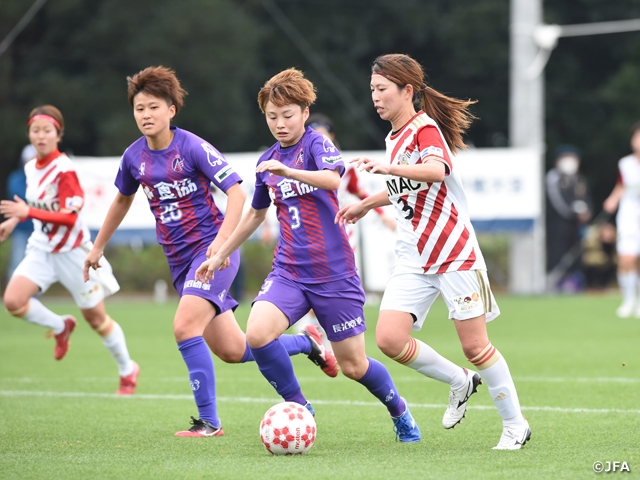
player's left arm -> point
(232, 216)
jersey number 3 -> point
(406, 208)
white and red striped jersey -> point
(52, 185)
(435, 234)
(628, 216)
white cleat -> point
(458, 400)
(625, 310)
(514, 438)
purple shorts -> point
(216, 291)
(338, 305)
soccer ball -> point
(288, 428)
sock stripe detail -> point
(409, 353)
(21, 312)
(105, 328)
(486, 358)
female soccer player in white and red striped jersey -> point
(625, 197)
(438, 253)
(57, 248)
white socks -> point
(117, 346)
(628, 283)
(495, 373)
(41, 315)
(423, 359)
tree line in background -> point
(77, 54)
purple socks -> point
(378, 381)
(293, 344)
(275, 365)
(196, 355)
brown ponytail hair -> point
(451, 114)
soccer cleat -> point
(201, 428)
(406, 427)
(513, 438)
(128, 384)
(62, 339)
(458, 400)
(319, 355)
(625, 310)
(310, 408)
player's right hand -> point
(350, 214)
(92, 261)
(207, 269)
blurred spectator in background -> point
(626, 198)
(17, 185)
(599, 261)
(569, 207)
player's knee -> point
(15, 306)
(230, 355)
(389, 345)
(353, 370)
(472, 349)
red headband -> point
(42, 116)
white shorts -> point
(44, 269)
(628, 244)
(466, 294)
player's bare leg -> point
(19, 301)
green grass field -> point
(576, 366)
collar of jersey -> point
(43, 162)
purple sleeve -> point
(261, 198)
(214, 166)
(325, 155)
(125, 182)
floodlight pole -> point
(527, 256)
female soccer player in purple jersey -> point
(175, 169)
(314, 265)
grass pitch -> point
(576, 367)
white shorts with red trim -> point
(44, 269)
(466, 294)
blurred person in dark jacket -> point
(569, 207)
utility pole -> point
(527, 256)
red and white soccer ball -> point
(288, 428)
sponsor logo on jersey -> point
(197, 284)
(73, 203)
(403, 186)
(432, 150)
(213, 157)
(348, 325)
(141, 169)
(299, 158)
(332, 160)
(177, 165)
(465, 303)
(177, 189)
(223, 173)
(293, 188)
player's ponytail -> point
(451, 114)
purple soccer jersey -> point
(312, 248)
(176, 182)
